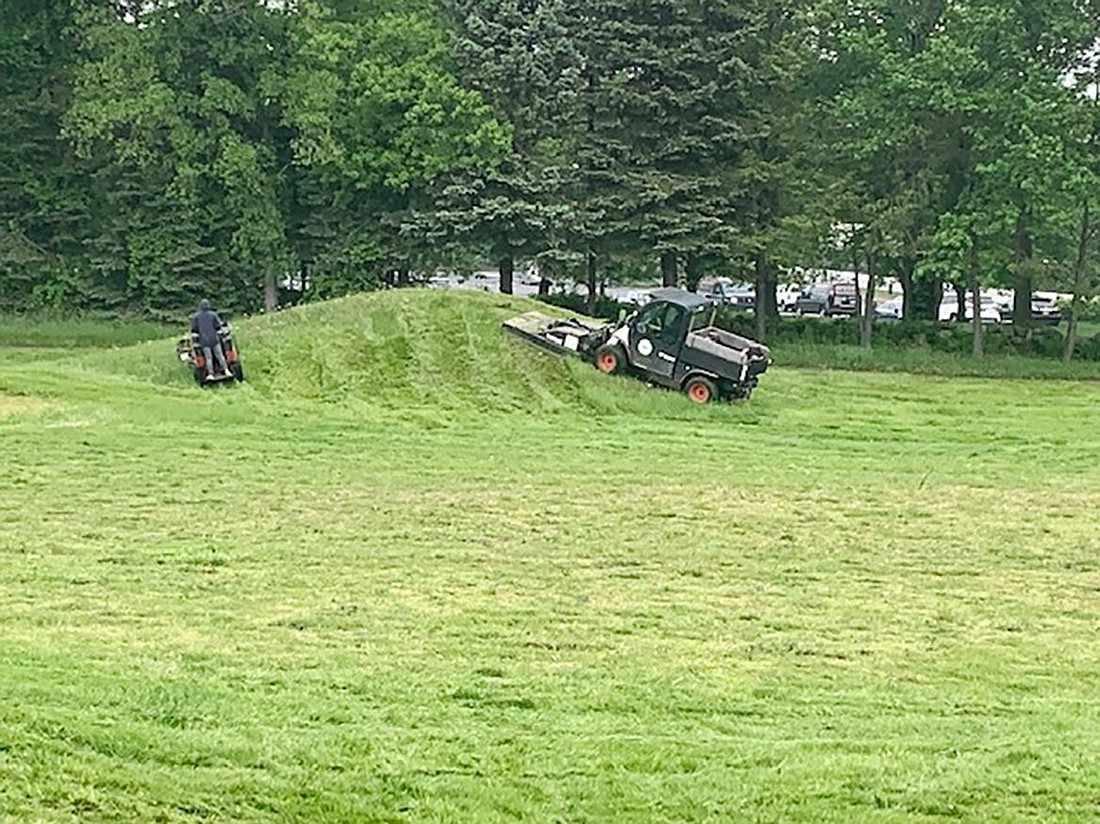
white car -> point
(786, 296)
(949, 308)
(889, 309)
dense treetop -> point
(239, 149)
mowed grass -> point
(416, 571)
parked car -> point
(949, 308)
(786, 296)
(888, 310)
(737, 295)
(813, 299)
(828, 299)
(843, 299)
(1044, 309)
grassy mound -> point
(443, 350)
(400, 348)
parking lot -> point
(816, 297)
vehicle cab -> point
(673, 341)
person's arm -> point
(194, 323)
(218, 322)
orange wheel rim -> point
(699, 393)
(607, 362)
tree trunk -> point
(977, 348)
(760, 297)
(1021, 300)
(855, 270)
(1071, 327)
(507, 268)
(590, 303)
(960, 300)
(693, 271)
(403, 276)
(669, 273)
(905, 275)
(867, 321)
(271, 291)
(765, 308)
(1080, 267)
(759, 312)
(920, 297)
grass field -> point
(415, 571)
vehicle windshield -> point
(662, 321)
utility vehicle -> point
(671, 341)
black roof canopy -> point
(691, 301)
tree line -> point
(155, 150)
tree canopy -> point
(255, 152)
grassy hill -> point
(435, 350)
(414, 570)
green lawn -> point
(51, 333)
(415, 571)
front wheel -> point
(238, 371)
(700, 390)
(609, 359)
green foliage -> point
(371, 96)
(178, 104)
(261, 142)
(155, 151)
(46, 203)
(604, 307)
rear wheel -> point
(700, 389)
(199, 375)
(609, 359)
(238, 371)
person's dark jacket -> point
(206, 323)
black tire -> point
(610, 359)
(700, 389)
(238, 371)
(199, 375)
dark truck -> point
(828, 299)
(671, 341)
